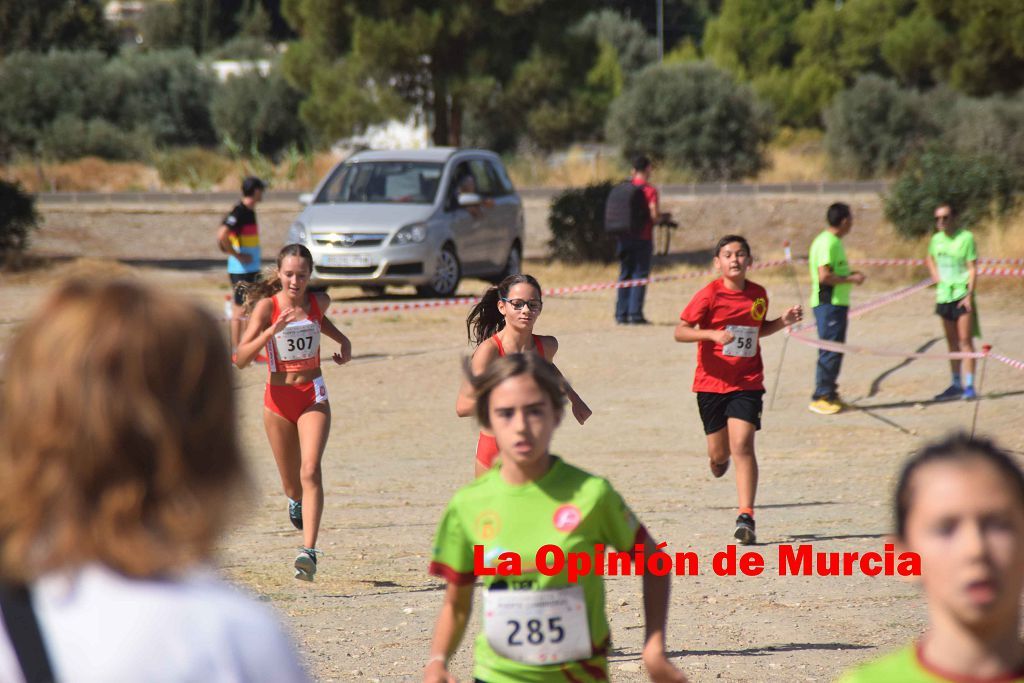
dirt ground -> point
(397, 451)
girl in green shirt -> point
(952, 261)
(541, 624)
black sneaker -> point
(639, 321)
(295, 513)
(745, 530)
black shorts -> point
(716, 409)
(950, 311)
(237, 278)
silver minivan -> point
(425, 217)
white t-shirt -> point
(100, 626)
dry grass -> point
(575, 170)
(92, 174)
(89, 174)
(1003, 238)
(796, 156)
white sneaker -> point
(305, 564)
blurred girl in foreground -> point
(960, 506)
(120, 462)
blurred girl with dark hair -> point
(960, 507)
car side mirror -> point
(306, 198)
(469, 199)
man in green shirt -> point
(953, 260)
(831, 282)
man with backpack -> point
(630, 214)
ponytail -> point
(484, 319)
(269, 282)
(266, 285)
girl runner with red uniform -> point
(502, 323)
(539, 627)
(960, 506)
(726, 318)
(288, 320)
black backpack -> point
(625, 211)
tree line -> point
(884, 79)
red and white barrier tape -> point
(863, 350)
(1013, 363)
(871, 305)
(920, 262)
(884, 299)
(554, 291)
(1004, 272)
(797, 333)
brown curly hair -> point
(118, 441)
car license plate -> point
(346, 260)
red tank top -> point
(536, 341)
(297, 346)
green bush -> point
(36, 89)
(194, 167)
(160, 96)
(875, 127)
(576, 221)
(17, 218)
(993, 126)
(695, 117)
(72, 138)
(165, 92)
(258, 112)
(977, 188)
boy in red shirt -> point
(727, 318)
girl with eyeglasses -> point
(500, 324)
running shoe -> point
(295, 513)
(305, 564)
(823, 406)
(745, 530)
(969, 394)
(718, 468)
(952, 393)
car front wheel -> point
(447, 274)
(513, 264)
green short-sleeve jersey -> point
(905, 666)
(828, 250)
(566, 507)
(952, 255)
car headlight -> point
(410, 234)
(297, 233)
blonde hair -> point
(118, 441)
(542, 371)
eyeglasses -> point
(533, 304)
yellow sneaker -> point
(823, 406)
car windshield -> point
(382, 182)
